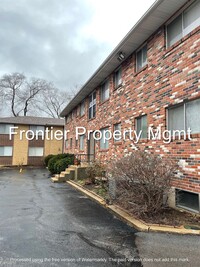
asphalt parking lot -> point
(45, 224)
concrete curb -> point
(125, 216)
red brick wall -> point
(171, 76)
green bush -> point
(51, 165)
(61, 165)
(47, 158)
(60, 162)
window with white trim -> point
(71, 143)
(5, 128)
(118, 77)
(141, 58)
(82, 108)
(117, 130)
(82, 142)
(185, 116)
(37, 129)
(66, 143)
(105, 91)
(92, 105)
(35, 151)
(104, 143)
(184, 23)
(141, 125)
(6, 151)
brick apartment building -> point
(150, 79)
(28, 152)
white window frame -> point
(136, 122)
(104, 144)
(105, 87)
(32, 148)
(114, 128)
(118, 82)
(37, 129)
(146, 61)
(184, 110)
(82, 108)
(8, 155)
(92, 105)
(6, 128)
(180, 13)
(82, 142)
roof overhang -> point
(154, 18)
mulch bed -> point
(168, 216)
(171, 217)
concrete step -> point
(54, 180)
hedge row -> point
(58, 163)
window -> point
(66, 143)
(36, 151)
(105, 91)
(118, 77)
(6, 151)
(82, 142)
(104, 143)
(5, 128)
(76, 142)
(117, 130)
(71, 142)
(185, 116)
(183, 24)
(141, 58)
(37, 129)
(187, 200)
(92, 105)
(141, 125)
(82, 108)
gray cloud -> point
(42, 39)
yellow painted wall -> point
(20, 147)
(53, 146)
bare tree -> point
(10, 85)
(52, 102)
(26, 96)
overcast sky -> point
(63, 41)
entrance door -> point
(91, 148)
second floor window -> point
(118, 77)
(82, 108)
(92, 105)
(141, 58)
(38, 130)
(185, 116)
(187, 21)
(141, 125)
(105, 91)
(5, 128)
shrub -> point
(54, 168)
(51, 165)
(96, 169)
(47, 158)
(61, 165)
(142, 182)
